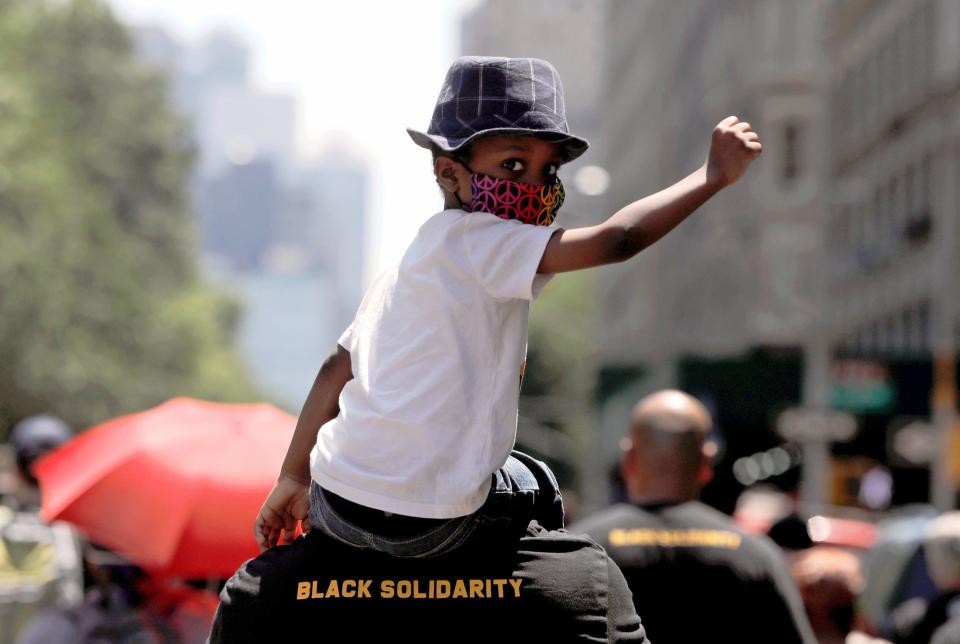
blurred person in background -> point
(791, 533)
(691, 569)
(916, 621)
(40, 563)
(124, 604)
(31, 438)
(830, 579)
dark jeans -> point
(522, 490)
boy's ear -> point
(445, 170)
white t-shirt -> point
(436, 349)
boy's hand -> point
(732, 147)
(287, 503)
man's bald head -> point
(666, 455)
(671, 411)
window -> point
(920, 222)
(902, 65)
(791, 169)
(884, 77)
(891, 337)
(908, 330)
(927, 31)
(923, 322)
(892, 224)
(909, 191)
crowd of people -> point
(671, 569)
(56, 587)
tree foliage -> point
(562, 364)
(102, 309)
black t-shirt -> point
(548, 585)
(696, 578)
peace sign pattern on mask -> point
(528, 203)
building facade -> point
(895, 110)
(732, 291)
(894, 162)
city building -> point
(722, 306)
(892, 260)
(284, 235)
(236, 209)
(336, 186)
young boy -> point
(415, 413)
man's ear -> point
(628, 459)
(705, 469)
(445, 170)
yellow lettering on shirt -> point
(363, 589)
(682, 538)
(353, 589)
(386, 589)
(332, 589)
(303, 590)
(476, 588)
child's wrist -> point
(711, 178)
(295, 478)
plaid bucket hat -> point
(492, 95)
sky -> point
(363, 70)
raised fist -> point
(733, 146)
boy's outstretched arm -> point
(733, 147)
(289, 500)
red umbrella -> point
(175, 488)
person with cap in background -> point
(916, 621)
(31, 438)
(693, 572)
(41, 565)
(830, 580)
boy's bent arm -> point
(642, 223)
(322, 405)
(630, 230)
(289, 501)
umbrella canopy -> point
(175, 488)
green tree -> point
(102, 309)
(560, 378)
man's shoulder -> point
(578, 587)
(539, 540)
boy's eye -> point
(552, 169)
(514, 165)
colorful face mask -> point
(525, 202)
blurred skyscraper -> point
(337, 189)
(285, 235)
